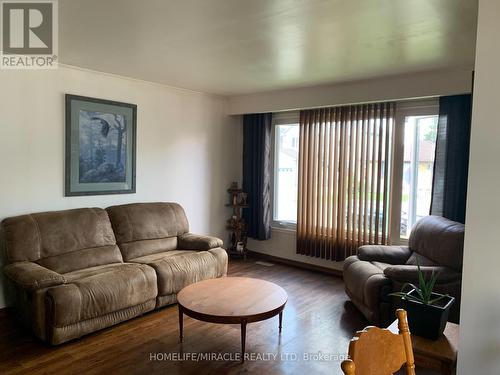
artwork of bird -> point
(104, 125)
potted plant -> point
(427, 311)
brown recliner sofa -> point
(178, 257)
(69, 277)
(435, 242)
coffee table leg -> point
(181, 323)
(243, 338)
(281, 320)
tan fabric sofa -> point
(76, 271)
(376, 271)
(170, 250)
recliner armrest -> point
(32, 276)
(384, 254)
(190, 241)
(409, 274)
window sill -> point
(283, 229)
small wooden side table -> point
(440, 355)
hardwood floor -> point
(318, 320)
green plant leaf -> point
(424, 289)
(402, 294)
(432, 282)
(424, 293)
(398, 294)
(405, 285)
(432, 302)
(419, 292)
(415, 299)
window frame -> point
(281, 118)
(413, 107)
(429, 107)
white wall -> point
(479, 350)
(188, 149)
(408, 86)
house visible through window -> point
(286, 155)
(418, 167)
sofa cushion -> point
(146, 259)
(440, 240)
(385, 254)
(381, 266)
(146, 221)
(417, 259)
(99, 291)
(366, 281)
(147, 228)
(58, 335)
(140, 248)
(195, 241)
(82, 259)
(409, 274)
(91, 271)
(186, 267)
(83, 237)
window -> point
(286, 156)
(412, 171)
(416, 130)
(418, 167)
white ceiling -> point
(232, 47)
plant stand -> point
(236, 224)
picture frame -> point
(100, 152)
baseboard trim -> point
(294, 263)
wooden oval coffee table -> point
(232, 300)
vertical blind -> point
(345, 165)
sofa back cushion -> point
(440, 240)
(62, 241)
(147, 228)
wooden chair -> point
(377, 351)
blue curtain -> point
(257, 174)
(451, 165)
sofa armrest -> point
(384, 254)
(32, 276)
(409, 274)
(191, 241)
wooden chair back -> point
(377, 351)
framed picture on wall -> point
(100, 146)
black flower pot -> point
(427, 320)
